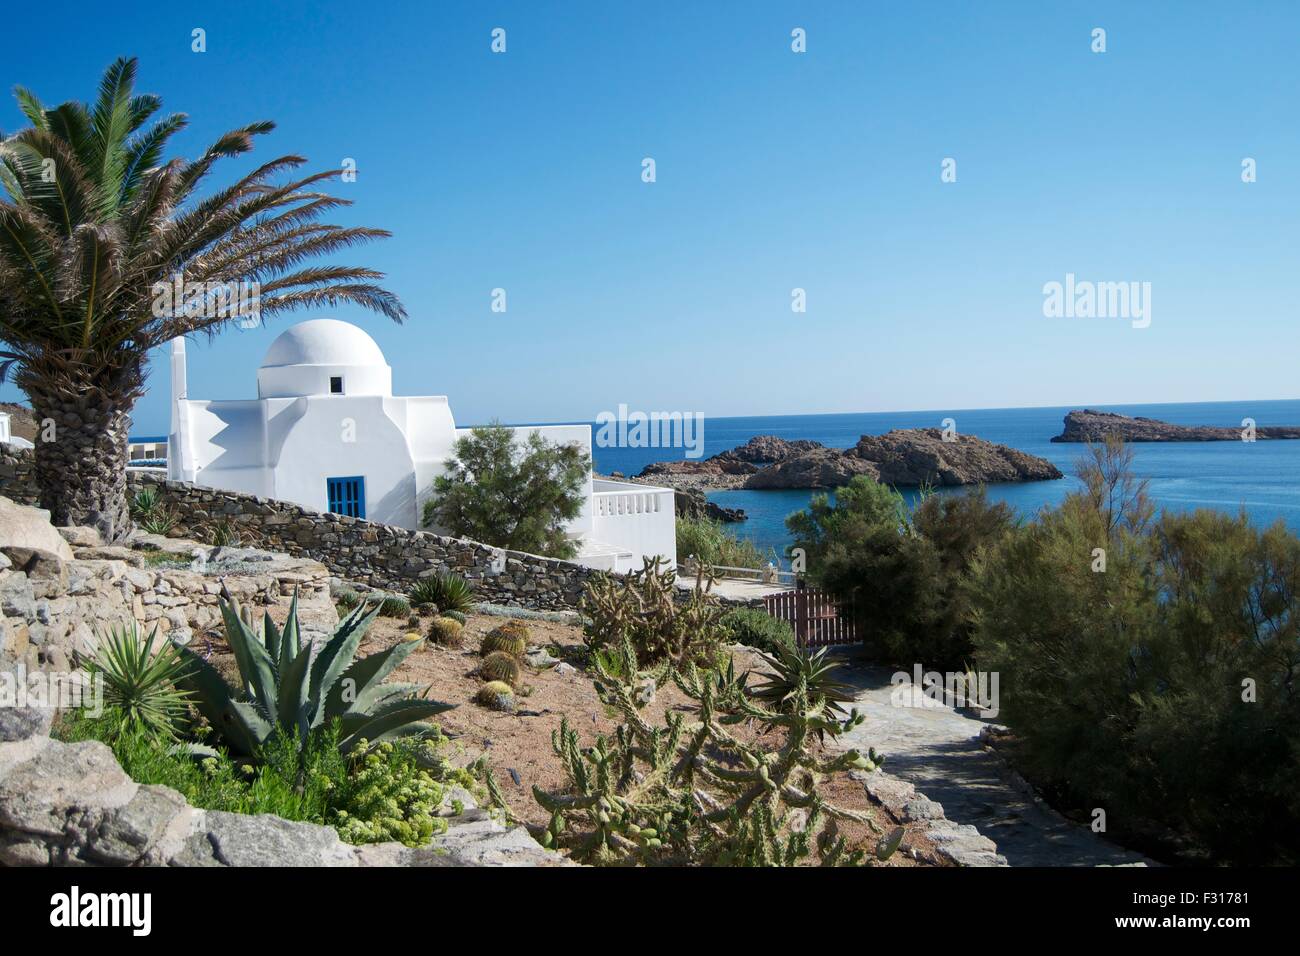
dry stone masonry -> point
(379, 555)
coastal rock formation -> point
(820, 468)
(921, 456)
(710, 474)
(691, 503)
(906, 457)
(1089, 425)
(732, 468)
(765, 449)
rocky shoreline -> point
(1086, 425)
(902, 457)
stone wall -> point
(378, 555)
(59, 591)
(381, 556)
(16, 474)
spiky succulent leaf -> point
(394, 719)
(291, 639)
(364, 674)
(238, 722)
(294, 701)
(335, 657)
(271, 638)
(254, 662)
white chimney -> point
(179, 393)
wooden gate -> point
(817, 618)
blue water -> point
(1262, 477)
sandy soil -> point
(518, 745)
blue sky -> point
(775, 170)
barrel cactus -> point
(446, 632)
(284, 687)
(455, 616)
(500, 666)
(498, 695)
(510, 637)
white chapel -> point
(327, 432)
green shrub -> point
(709, 542)
(755, 628)
(446, 590)
(383, 793)
(388, 796)
(903, 574)
(515, 495)
(140, 682)
(1125, 685)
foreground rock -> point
(904, 457)
(1088, 425)
(72, 805)
(61, 588)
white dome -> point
(323, 342)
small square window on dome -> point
(336, 384)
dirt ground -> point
(518, 745)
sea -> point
(1261, 477)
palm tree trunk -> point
(81, 456)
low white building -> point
(326, 432)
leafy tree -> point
(95, 225)
(861, 507)
(902, 572)
(515, 495)
(1159, 685)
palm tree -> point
(95, 226)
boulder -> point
(27, 530)
(81, 536)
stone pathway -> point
(938, 750)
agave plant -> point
(285, 687)
(792, 668)
(139, 681)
